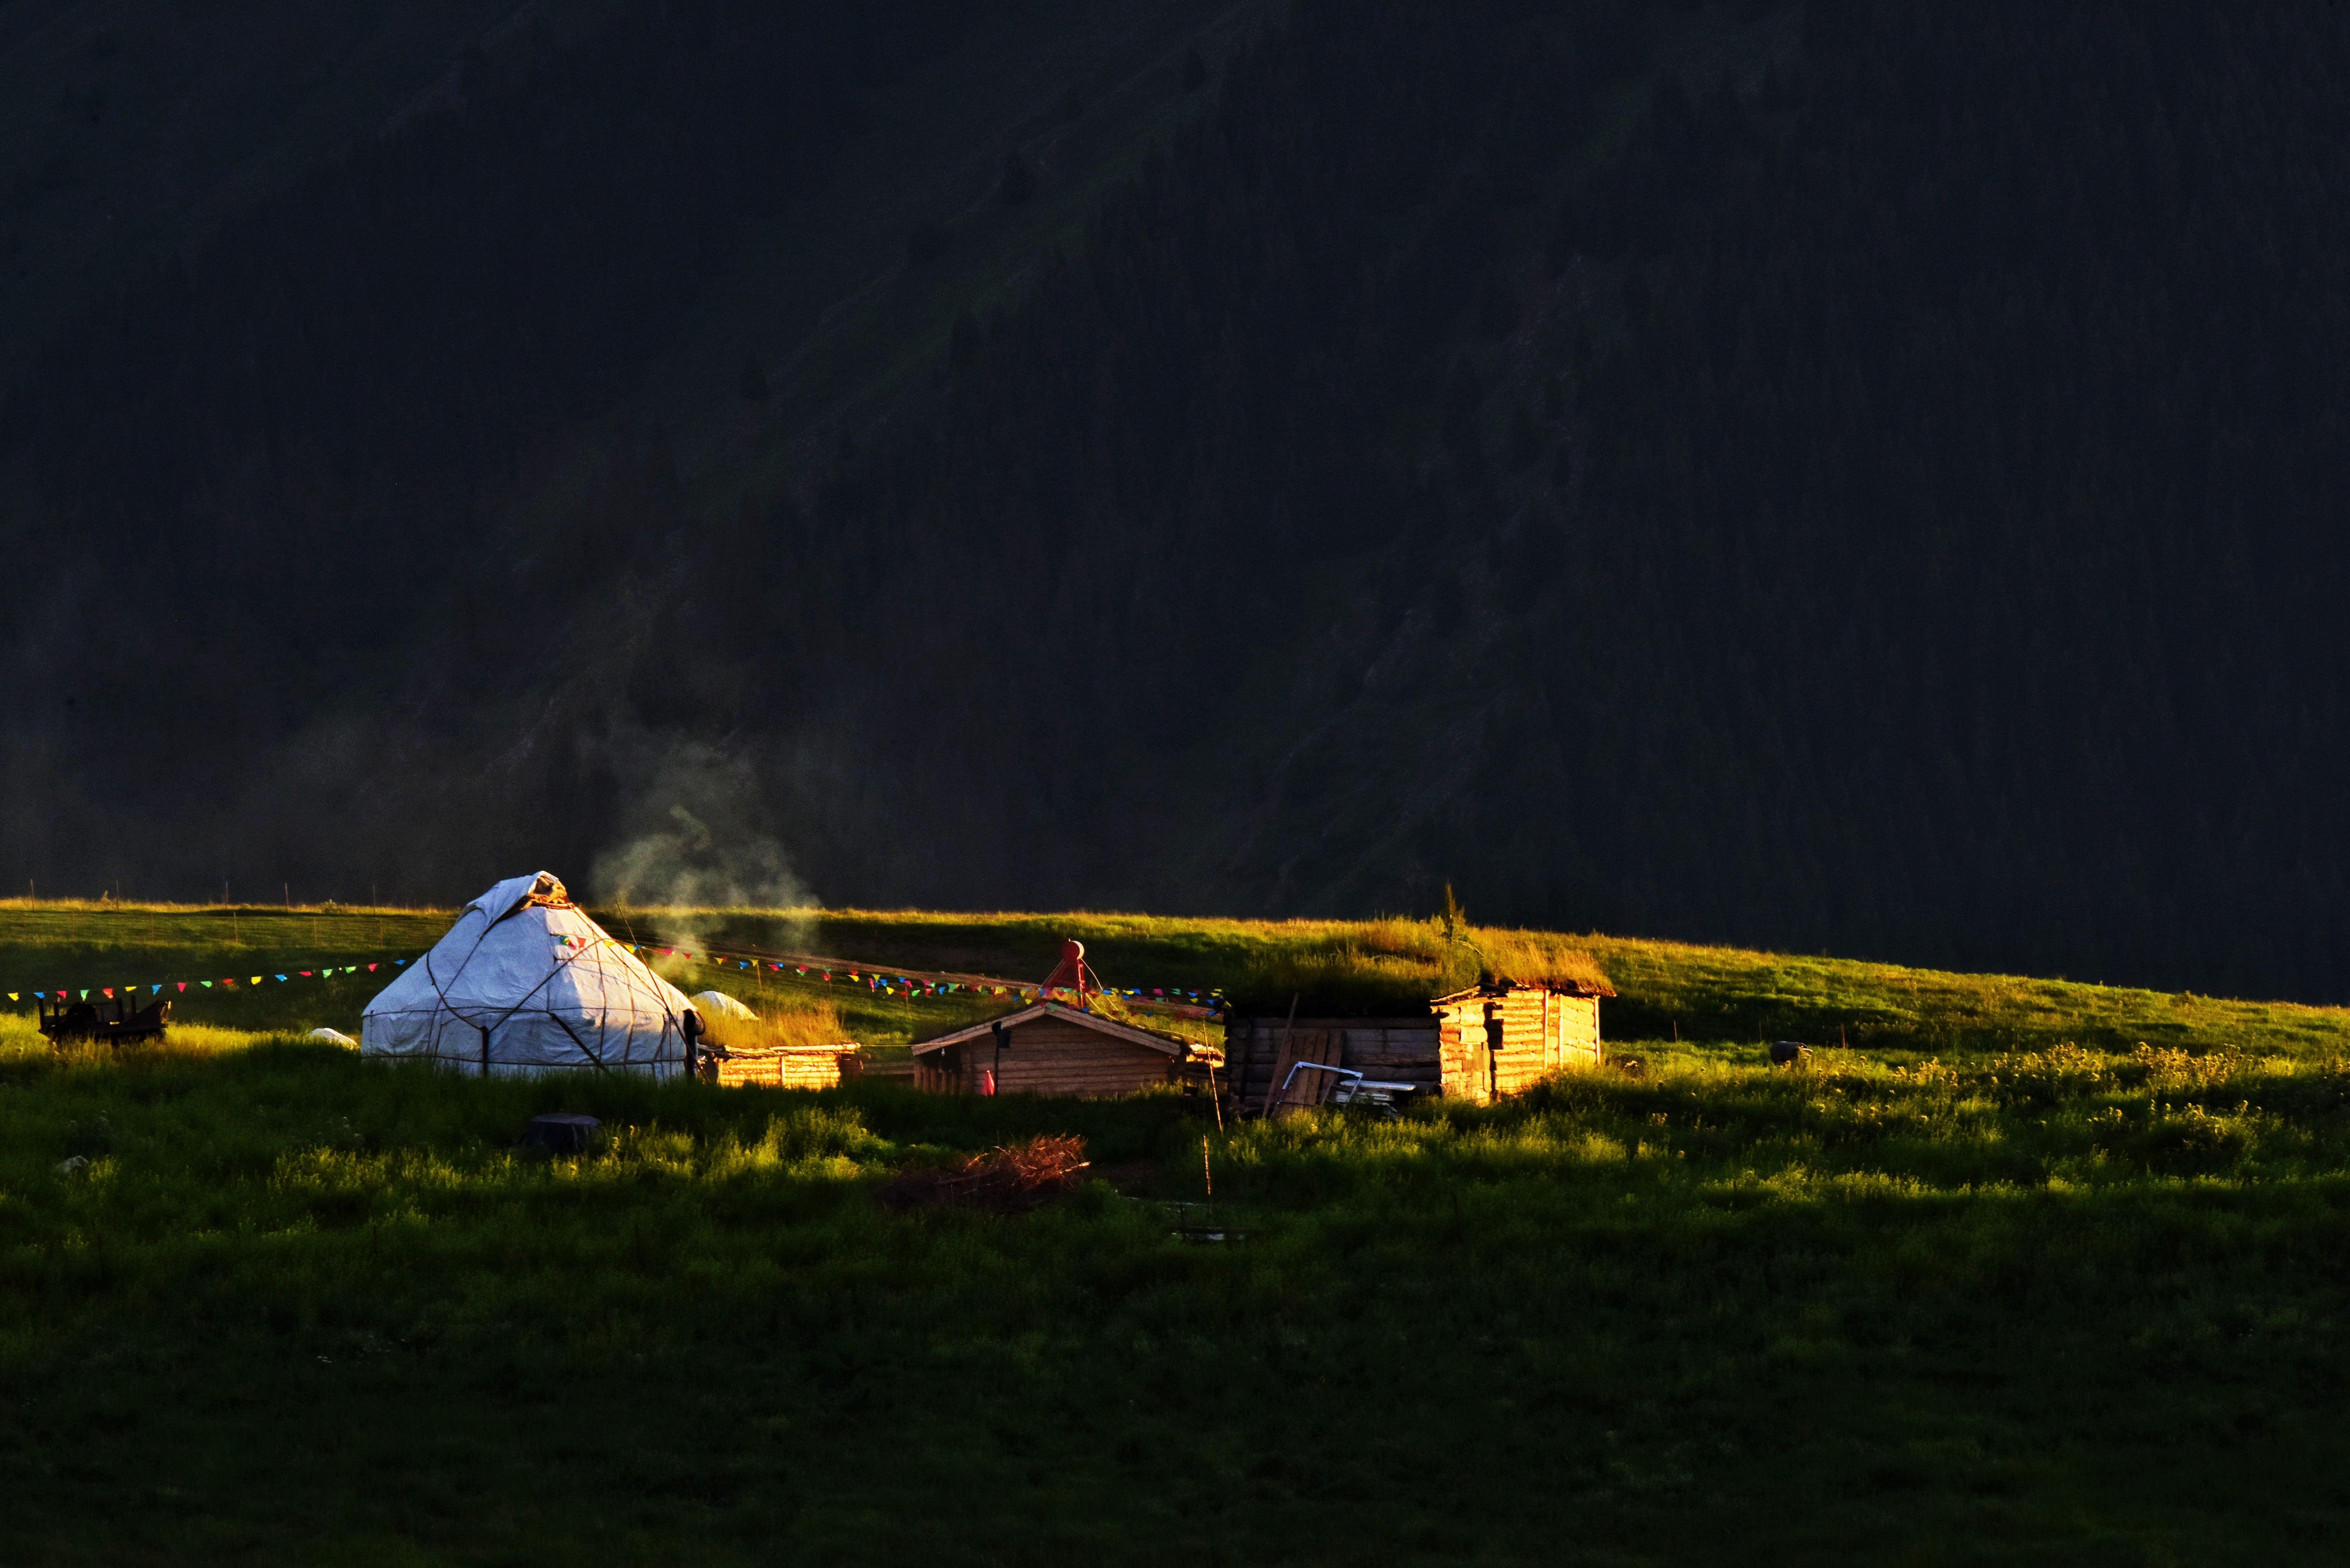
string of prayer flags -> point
(885, 984)
(128, 989)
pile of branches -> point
(1010, 1181)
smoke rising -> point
(701, 837)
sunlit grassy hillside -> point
(1727, 1000)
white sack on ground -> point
(525, 982)
(718, 1004)
(331, 1036)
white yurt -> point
(525, 982)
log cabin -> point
(1051, 1049)
(1478, 1045)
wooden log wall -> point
(1464, 1047)
(1575, 1019)
(1504, 1043)
(818, 1069)
(1524, 1049)
(1048, 1056)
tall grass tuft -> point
(804, 1028)
(1396, 965)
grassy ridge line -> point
(1665, 990)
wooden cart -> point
(112, 1019)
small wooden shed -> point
(1475, 1044)
(789, 1066)
(1050, 1049)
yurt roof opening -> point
(525, 982)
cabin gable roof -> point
(1054, 1010)
(1503, 988)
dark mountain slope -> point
(257, 479)
(1900, 511)
(1863, 477)
(131, 129)
(309, 513)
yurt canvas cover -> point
(525, 982)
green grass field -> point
(2028, 1272)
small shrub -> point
(2167, 1068)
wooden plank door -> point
(1311, 1088)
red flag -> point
(182, 984)
(987, 1082)
(105, 990)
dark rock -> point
(561, 1134)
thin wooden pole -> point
(1281, 1058)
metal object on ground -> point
(1353, 1088)
(562, 1134)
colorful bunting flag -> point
(886, 985)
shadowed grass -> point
(2059, 1302)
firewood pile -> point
(1010, 1181)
